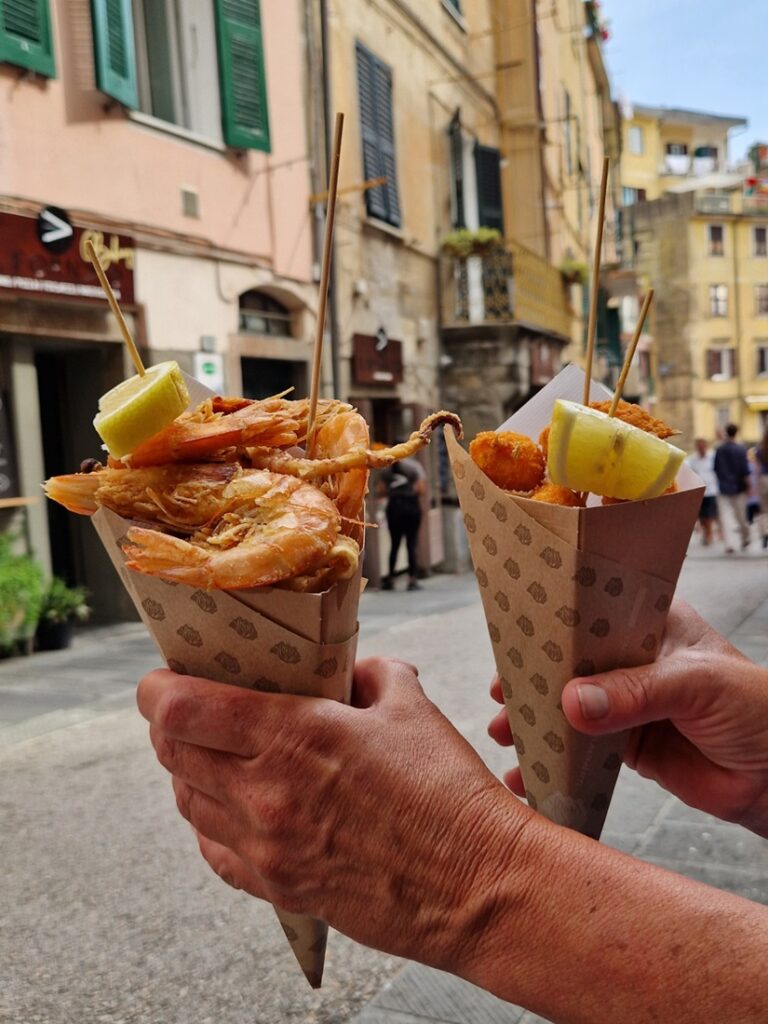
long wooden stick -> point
(325, 273)
(134, 352)
(630, 353)
(592, 324)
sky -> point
(709, 55)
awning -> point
(757, 403)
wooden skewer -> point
(630, 353)
(134, 352)
(325, 271)
(592, 324)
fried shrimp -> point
(217, 427)
(340, 564)
(287, 529)
(556, 494)
(512, 461)
(357, 458)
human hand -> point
(378, 818)
(698, 715)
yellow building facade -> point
(694, 233)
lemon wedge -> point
(137, 408)
(591, 451)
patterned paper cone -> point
(245, 638)
(569, 592)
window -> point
(716, 240)
(261, 314)
(761, 300)
(374, 83)
(454, 6)
(25, 36)
(198, 65)
(718, 300)
(677, 149)
(488, 172)
(456, 156)
(636, 140)
(761, 349)
(721, 363)
(705, 152)
(761, 241)
(567, 140)
(630, 196)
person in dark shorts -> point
(702, 462)
(732, 472)
(403, 484)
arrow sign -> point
(54, 229)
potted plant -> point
(62, 607)
(574, 271)
(463, 243)
(21, 596)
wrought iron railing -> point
(504, 285)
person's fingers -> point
(230, 868)
(206, 814)
(677, 688)
(513, 779)
(381, 679)
(227, 718)
(496, 691)
(499, 729)
(210, 771)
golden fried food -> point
(544, 440)
(636, 417)
(556, 494)
(512, 461)
(672, 489)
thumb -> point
(673, 688)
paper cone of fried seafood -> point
(569, 592)
(264, 639)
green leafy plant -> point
(463, 242)
(574, 271)
(64, 604)
(22, 587)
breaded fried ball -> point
(513, 461)
(672, 489)
(556, 494)
(636, 417)
(544, 440)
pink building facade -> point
(175, 136)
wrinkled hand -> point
(378, 818)
(698, 715)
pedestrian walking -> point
(760, 463)
(402, 485)
(702, 462)
(732, 472)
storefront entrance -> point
(263, 378)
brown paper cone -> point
(265, 639)
(228, 637)
(569, 592)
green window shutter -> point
(488, 172)
(115, 51)
(25, 35)
(244, 110)
(374, 83)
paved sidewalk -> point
(643, 821)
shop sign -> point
(376, 359)
(209, 370)
(29, 266)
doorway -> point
(70, 381)
(263, 378)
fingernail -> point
(593, 700)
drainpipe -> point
(328, 121)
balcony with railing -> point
(505, 285)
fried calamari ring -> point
(556, 494)
(636, 417)
(512, 461)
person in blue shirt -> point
(732, 472)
